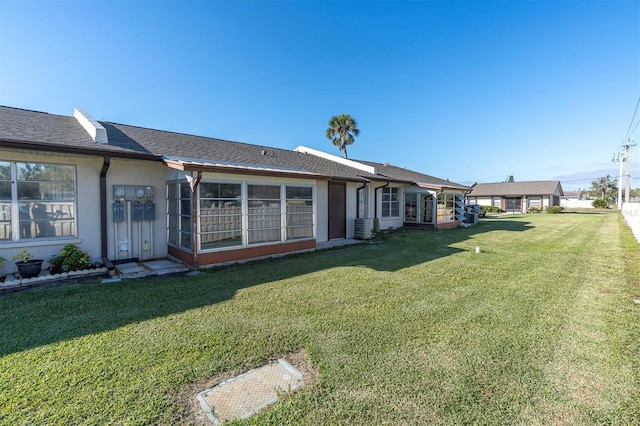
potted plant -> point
(28, 267)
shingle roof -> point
(543, 187)
(170, 144)
(57, 131)
(573, 194)
(20, 127)
(402, 174)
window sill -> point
(39, 243)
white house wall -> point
(352, 207)
(146, 239)
(322, 211)
(388, 222)
(87, 209)
(484, 201)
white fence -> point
(576, 204)
(265, 223)
(631, 214)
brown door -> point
(337, 210)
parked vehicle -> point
(475, 208)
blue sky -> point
(470, 91)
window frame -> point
(289, 215)
(176, 207)
(289, 222)
(446, 207)
(47, 216)
(537, 201)
(363, 202)
(390, 202)
(216, 218)
(270, 233)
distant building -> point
(575, 199)
(123, 193)
(517, 197)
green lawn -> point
(539, 328)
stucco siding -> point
(139, 173)
(352, 208)
(87, 209)
(322, 211)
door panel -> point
(337, 210)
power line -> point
(634, 129)
(584, 178)
(633, 118)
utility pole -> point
(619, 157)
(627, 147)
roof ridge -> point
(30, 110)
(194, 135)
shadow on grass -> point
(39, 317)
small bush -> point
(492, 209)
(554, 209)
(534, 209)
(71, 258)
(600, 203)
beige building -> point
(517, 197)
(123, 192)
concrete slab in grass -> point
(245, 395)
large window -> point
(299, 212)
(37, 200)
(446, 208)
(220, 215)
(263, 210)
(5, 201)
(535, 201)
(237, 214)
(362, 202)
(390, 202)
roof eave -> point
(52, 147)
(190, 167)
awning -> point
(439, 187)
(197, 164)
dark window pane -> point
(264, 192)
(299, 192)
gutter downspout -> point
(376, 219)
(106, 162)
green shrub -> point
(600, 203)
(535, 209)
(71, 258)
(554, 209)
(492, 209)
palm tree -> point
(605, 187)
(342, 131)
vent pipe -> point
(95, 129)
(345, 161)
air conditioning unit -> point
(363, 228)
